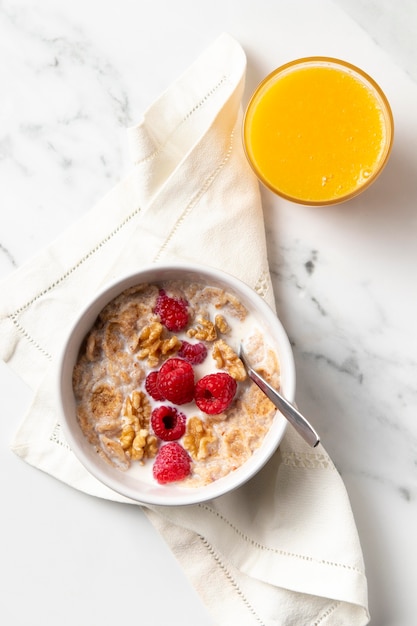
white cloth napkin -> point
(283, 549)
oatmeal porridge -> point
(158, 381)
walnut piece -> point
(198, 438)
(221, 324)
(152, 345)
(143, 445)
(127, 436)
(135, 438)
(205, 330)
(227, 359)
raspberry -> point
(168, 424)
(194, 353)
(151, 386)
(176, 381)
(172, 463)
(172, 312)
(215, 392)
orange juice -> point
(318, 131)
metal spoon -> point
(295, 418)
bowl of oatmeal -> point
(155, 402)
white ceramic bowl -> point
(145, 489)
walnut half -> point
(152, 345)
(135, 439)
(205, 330)
(227, 359)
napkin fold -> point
(283, 549)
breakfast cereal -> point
(160, 366)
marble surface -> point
(74, 75)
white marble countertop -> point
(74, 75)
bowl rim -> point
(345, 66)
(166, 495)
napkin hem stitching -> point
(186, 117)
(257, 544)
(77, 265)
(331, 609)
(55, 437)
(212, 552)
(197, 197)
(24, 333)
(15, 315)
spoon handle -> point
(298, 421)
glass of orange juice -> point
(318, 131)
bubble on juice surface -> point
(364, 175)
